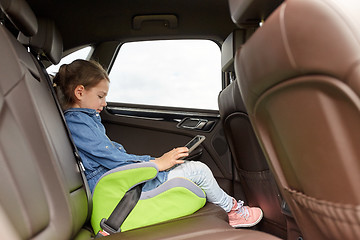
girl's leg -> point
(202, 176)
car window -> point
(82, 53)
(175, 73)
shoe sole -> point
(251, 224)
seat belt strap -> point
(74, 148)
(125, 205)
(121, 211)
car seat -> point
(43, 195)
(299, 76)
(256, 179)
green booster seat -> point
(175, 198)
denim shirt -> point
(98, 153)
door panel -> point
(156, 130)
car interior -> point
(284, 137)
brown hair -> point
(79, 72)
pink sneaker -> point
(244, 216)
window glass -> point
(175, 73)
(79, 54)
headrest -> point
(228, 49)
(250, 12)
(47, 42)
(21, 15)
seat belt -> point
(120, 213)
(74, 148)
(125, 205)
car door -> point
(150, 130)
(146, 127)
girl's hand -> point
(171, 158)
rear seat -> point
(42, 193)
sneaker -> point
(244, 216)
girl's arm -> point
(96, 147)
(92, 141)
(130, 156)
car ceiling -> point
(84, 22)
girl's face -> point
(93, 98)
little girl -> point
(81, 88)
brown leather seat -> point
(257, 181)
(300, 79)
(42, 194)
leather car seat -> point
(256, 179)
(42, 193)
(299, 76)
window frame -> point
(219, 86)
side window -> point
(79, 54)
(173, 73)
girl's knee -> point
(200, 164)
(202, 167)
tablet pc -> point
(195, 142)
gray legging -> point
(202, 176)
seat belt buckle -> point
(108, 229)
(102, 233)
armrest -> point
(128, 176)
